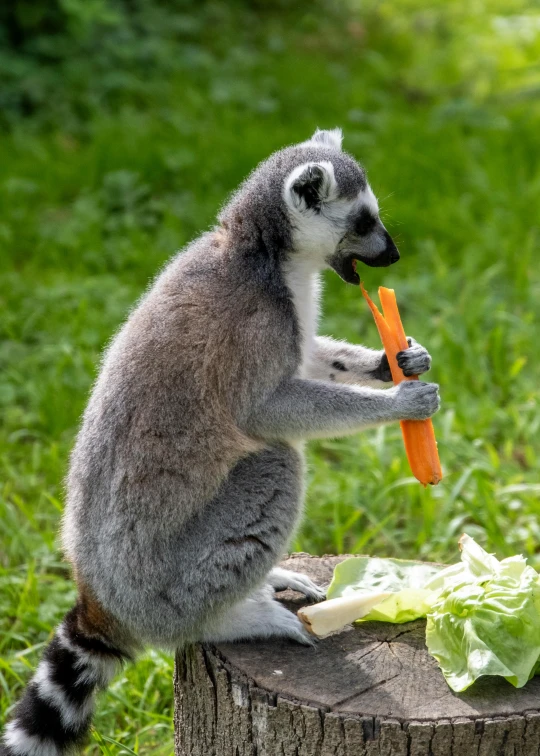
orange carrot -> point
(418, 435)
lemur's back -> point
(163, 426)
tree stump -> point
(371, 690)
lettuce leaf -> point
(483, 615)
(405, 578)
(485, 619)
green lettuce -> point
(485, 619)
(483, 615)
(372, 574)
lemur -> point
(186, 480)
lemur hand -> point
(413, 361)
(416, 400)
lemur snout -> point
(345, 263)
(389, 255)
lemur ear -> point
(330, 138)
(310, 185)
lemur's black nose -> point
(391, 252)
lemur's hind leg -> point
(281, 579)
(220, 562)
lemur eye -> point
(337, 365)
(364, 223)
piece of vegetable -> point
(329, 616)
(486, 619)
(418, 435)
(405, 579)
(483, 615)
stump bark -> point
(371, 690)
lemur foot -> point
(291, 627)
(281, 579)
(257, 617)
(415, 360)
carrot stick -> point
(391, 315)
(418, 435)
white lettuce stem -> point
(329, 616)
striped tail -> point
(54, 715)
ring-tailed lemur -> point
(186, 480)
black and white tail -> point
(54, 715)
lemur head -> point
(311, 202)
(334, 213)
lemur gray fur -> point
(186, 480)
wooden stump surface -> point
(370, 689)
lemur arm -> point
(304, 409)
(353, 364)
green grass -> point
(446, 123)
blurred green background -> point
(124, 126)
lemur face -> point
(333, 211)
